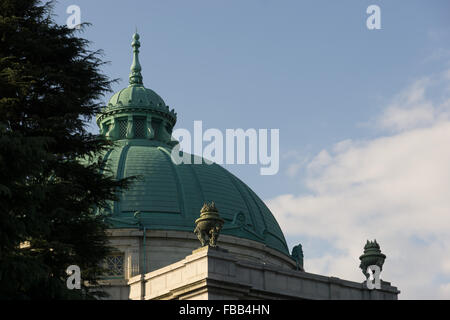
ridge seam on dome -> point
(105, 157)
(197, 181)
(259, 208)
(283, 241)
(120, 170)
(118, 96)
(180, 189)
(235, 185)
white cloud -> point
(322, 159)
(295, 167)
(395, 189)
(409, 109)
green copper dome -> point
(137, 96)
(169, 196)
(136, 112)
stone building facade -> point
(157, 255)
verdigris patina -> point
(209, 224)
(372, 256)
(297, 255)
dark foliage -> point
(50, 88)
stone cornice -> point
(169, 115)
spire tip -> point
(135, 74)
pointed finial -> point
(135, 74)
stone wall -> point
(212, 273)
(164, 248)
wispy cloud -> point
(297, 162)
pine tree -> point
(51, 85)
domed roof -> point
(135, 104)
(169, 196)
(136, 96)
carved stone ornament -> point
(209, 224)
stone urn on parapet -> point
(372, 256)
(208, 226)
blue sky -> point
(311, 69)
